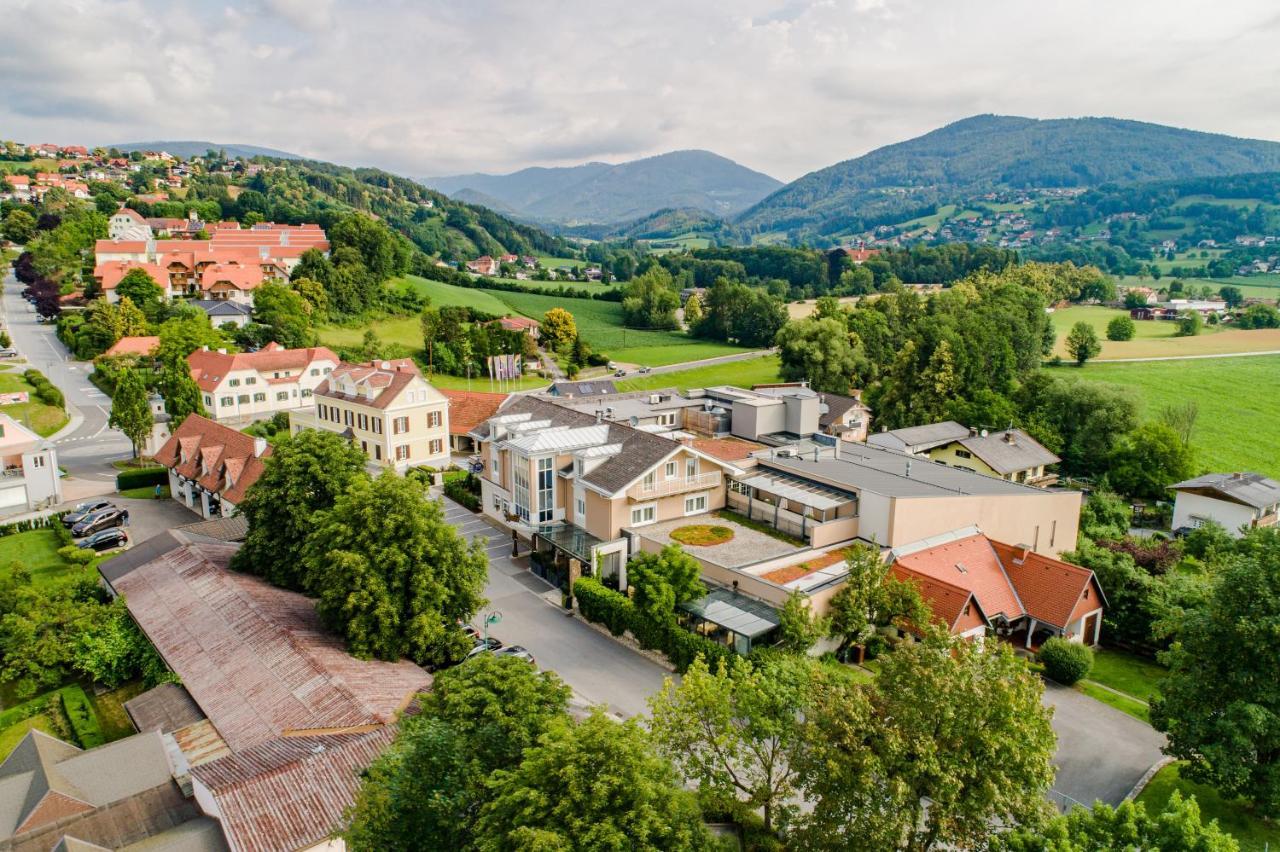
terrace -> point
(816, 513)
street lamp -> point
(490, 618)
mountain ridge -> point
(194, 148)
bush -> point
(615, 611)
(75, 555)
(85, 726)
(1065, 662)
(456, 489)
(603, 606)
(1121, 328)
(54, 521)
(127, 479)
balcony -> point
(666, 487)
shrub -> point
(85, 726)
(75, 555)
(702, 535)
(456, 489)
(615, 611)
(1121, 328)
(127, 479)
(603, 606)
(1065, 662)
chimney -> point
(599, 415)
(1009, 438)
(222, 352)
(973, 433)
(259, 447)
(908, 468)
(204, 348)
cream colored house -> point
(387, 408)
(575, 483)
(30, 478)
(1009, 454)
(245, 386)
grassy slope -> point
(1155, 338)
(1239, 399)
(1255, 286)
(43, 419)
(1252, 832)
(744, 373)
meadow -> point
(742, 373)
(1155, 338)
(1239, 400)
(1252, 286)
(42, 419)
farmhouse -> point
(1237, 501)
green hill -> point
(989, 153)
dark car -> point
(484, 646)
(83, 510)
(518, 651)
(106, 539)
(620, 373)
(101, 520)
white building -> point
(128, 224)
(30, 478)
(248, 386)
(1238, 501)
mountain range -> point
(194, 148)
(605, 193)
(990, 152)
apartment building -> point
(573, 484)
(396, 417)
(246, 386)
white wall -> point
(873, 517)
(1187, 507)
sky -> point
(436, 87)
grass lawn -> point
(661, 356)
(12, 735)
(744, 373)
(1253, 286)
(549, 262)
(43, 419)
(145, 492)
(1232, 816)
(407, 331)
(1155, 338)
(110, 709)
(442, 294)
(1123, 703)
(1129, 673)
(1239, 399)
(37, 551)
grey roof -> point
(640, 450)
(917, 438)
(1009, 451)
(837, 405)
(737, 612)
(166, 708)
(202, 834)
(865, 468)
(597, 387)
(221, 307)
(234, 528)
(1251, 489)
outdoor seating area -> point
(744, 548)
(732, 619)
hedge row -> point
(127, 479)
(84, 720)
(616, 612)
(45, 390)
(54, 520)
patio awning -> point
(743, 615)
(801, 491)
(571, 540)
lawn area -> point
(546, 261)
(1253, 286)
(1252, 832)
(659, 356)
(1155, 338)
(1123, 703)
(744, 373)
(145, 492)
(1137, 676)
(442, 294)
(43, 419)
(9, 167)
(407, 331)
(37, 551)
(110, 709)
(1239, 401)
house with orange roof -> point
(141, 345)
(128, 224)
(525, 325)
(211, 466)
(245, 386)
(467, 410)
(976, 585)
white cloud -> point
(785, 86)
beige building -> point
(30, 478)
(575, 484)
(244, 386)
(387, 408)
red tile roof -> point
(209, 368)
(200, 445)
(238, 275)
(946, 600)
(133, 346)
(970, 563)
(254, 656)
(1049, 587)
(727, 449)
(109, 273)
(388, 378)
(468, 409)
(519, 324)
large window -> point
(435, 447)
(400, 425)
(695, 504)
(520, 481)
(641, 515)
(433, 419)
(402, 452)
(546, 489)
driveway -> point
(600, 670)
(1102, 753)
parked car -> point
(517, 651)
(620, 373)
(106, 539)
(83, 510)
(471, 633)
(483, 646)
(646, 369)
(101, 520)
(8, 353)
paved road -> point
(1185, 357)
(92, 444)
(707, 362)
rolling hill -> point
(194, 148)
(604, 193)
(990, 152)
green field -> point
(1253, 833)
(9, 167)
(1156, 338)
(37, 551)
(743, 373)
(442, 294)
(1239, 400)
(42, 419)
(547, 261)
(1253, 286)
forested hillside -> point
(991, 152)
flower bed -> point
(702, 535)
(782, 576)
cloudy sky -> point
(428, 87)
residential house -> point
(128, 224)
(396, 417)
(141, 346)
(18, 187)
(30, 478)
(975, 584)
(1237, 501)
(467, 410)
(572, 483)
(122, 795)
(524, 325)
(1010, 454)
(859, 255)
(211, 466)
(252, 385)
(224, 311)
(278, 721)
(483, 265)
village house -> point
(30, 478)
(525, 325)
(245, 386)
(975, 585)
(396, 417)
(142, 346)
(483, 265)
(211, 466)
(224, 311)
(1238, 501)
(1009, 454)
(128, 224)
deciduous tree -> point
(819, 351)
(131, 409)
(1130, 826)
(558, 328)
(1083, 343)
(141, 289)
(285, 312)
